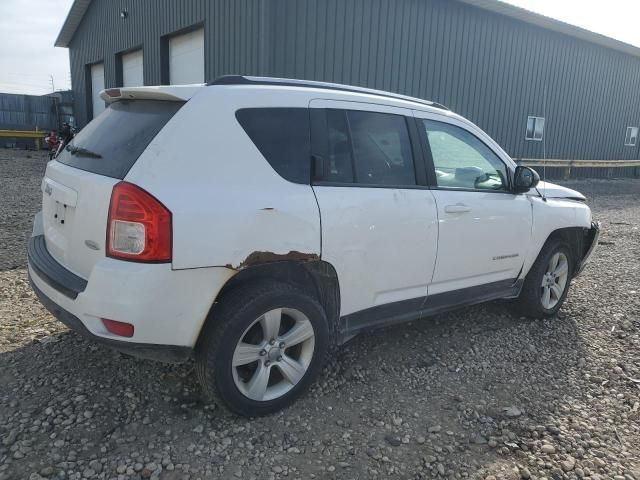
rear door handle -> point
(459, 208)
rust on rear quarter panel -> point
(260, 258)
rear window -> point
(282, 136)
(111, 143)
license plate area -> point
(59, 213)
(59, 201)
(58, 207)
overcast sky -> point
(28, 29)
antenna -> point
(544, 143)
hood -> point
(551, 190)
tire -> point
(532, 301)
(249, 314)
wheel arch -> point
(318, 277)
(575, 238)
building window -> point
(631, 139)
(535, 128)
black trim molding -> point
(416, 308)
(50, 271)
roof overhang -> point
(74, 17)
(552, 24)
(79, 8)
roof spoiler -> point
(171, 93)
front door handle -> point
(459, 208)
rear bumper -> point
(161, 353)
(50, 271)
(166, 307)
(590, 244)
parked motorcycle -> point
(66, 135)
(53, 142)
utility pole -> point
(53, 86)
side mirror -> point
(525, 179)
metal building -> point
(520, 76)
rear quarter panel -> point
(229, 207)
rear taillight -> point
(139, 226)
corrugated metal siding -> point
(490, 68)
(232, 28)
(27, 112)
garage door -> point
(186, 58)
(132, 71)
(97, 85)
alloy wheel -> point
(273, 354)
(554, 281)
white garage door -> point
(132, 70)
(186, 58)
(97, 85)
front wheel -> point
(262, 347)
(547, 283)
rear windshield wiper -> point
(81, 151)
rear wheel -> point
(262, 347)
(547, 283)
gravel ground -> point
(20, 177)
(478, 393)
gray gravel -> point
(478, 393)
(20, 197)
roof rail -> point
(290, 82)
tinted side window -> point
(461, 160)
(282, 135)
(340, 168)
(369, 148)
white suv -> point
(258, 223)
